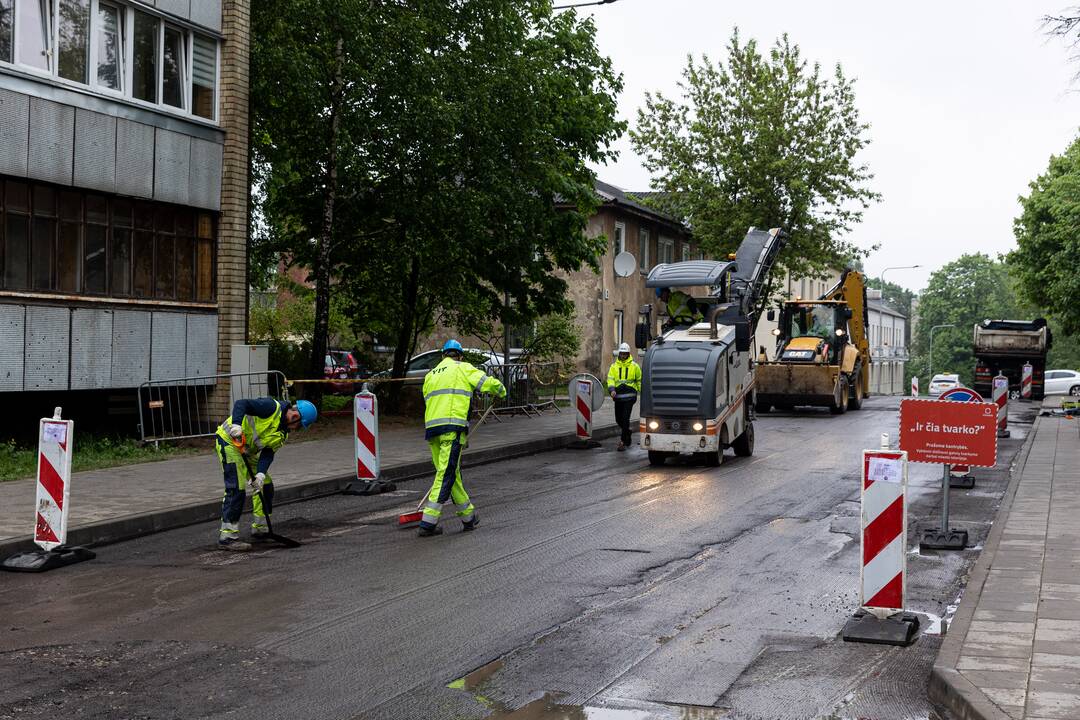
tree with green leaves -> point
(760, 140)
(962, 293)
(415, 152)
(1048, 241)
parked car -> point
(342, 364)
(1062, 382)
(941, 383)
(419, 365)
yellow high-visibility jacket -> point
(448, 390)
(624, 374)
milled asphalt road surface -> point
(595, 587)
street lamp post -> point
(583, 4)
(930, 360)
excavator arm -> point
(851, 289)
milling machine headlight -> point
(776, 331)
(839, 332)
(653, 425)
(698, 426)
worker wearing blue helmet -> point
(255, 429)
(448, 393)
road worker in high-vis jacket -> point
(252, 434)
(681, 308)
(448, 391)
(624, 384)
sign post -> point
(883, 572)
(950, 433)
(587, 394)
(960, 476)
(56, 440)
(366, 443)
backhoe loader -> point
(822, 352)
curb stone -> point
(948, 687)
(116, 530)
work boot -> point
(471, 525)
(233, 544)
(622, 446)
(429, 531)
(260, 537)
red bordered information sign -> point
(951, 433)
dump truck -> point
(822, 352)
(697, 390)
(1005, 346)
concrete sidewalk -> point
(1013, 650)
(132, 500)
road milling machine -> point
(822, 352)
(697, 390)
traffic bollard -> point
(366, 442)
(586, 392)
(56, 439)
(1025, 382)
(1001, 398)
(881, 617)
(914, 386)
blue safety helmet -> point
(659, 291)
(451, 346)
(308, 413)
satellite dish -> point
(625, 264)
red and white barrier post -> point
(1001, 399)
(914, 386)
(366, 442)
(1025, 382)
(883, 571)
(56, 439)
(583, 403)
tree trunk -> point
(322, 253)
(405, 336)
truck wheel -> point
(856, 397)
(744, 444)
(840, 399)
(657, 457)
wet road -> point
(596, 587)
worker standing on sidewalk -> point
(255, 428)
(624, 384)
(448, 391)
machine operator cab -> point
(812, 331)
(704, 312)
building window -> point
(144, 57)
(619, 244)
(203, 76)
(7, 27)
(665, 250)
(685, 251)
(86, 244)
(109, 46)
(113, 48)
(643, 249)
(33, 30)
(618, 327)
(74, 40)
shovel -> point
(410, 519)
(285, 542)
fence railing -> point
(180, 408)
(531, 388)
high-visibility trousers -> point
(236, 476)
(446, 456)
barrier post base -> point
(938, 539)
(369, 487)
(899, 629)
(42, 560)
(962, 482)
(583, 444)
(1004, 433)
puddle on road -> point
(549, 708)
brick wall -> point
(232, 285)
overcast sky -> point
(966, 101)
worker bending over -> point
(624, 384)
(448, 391)
(681, 308)
(256, 428)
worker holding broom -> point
(255, 428)
(448, 391)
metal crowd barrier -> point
(180, 408)
(531, 388)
